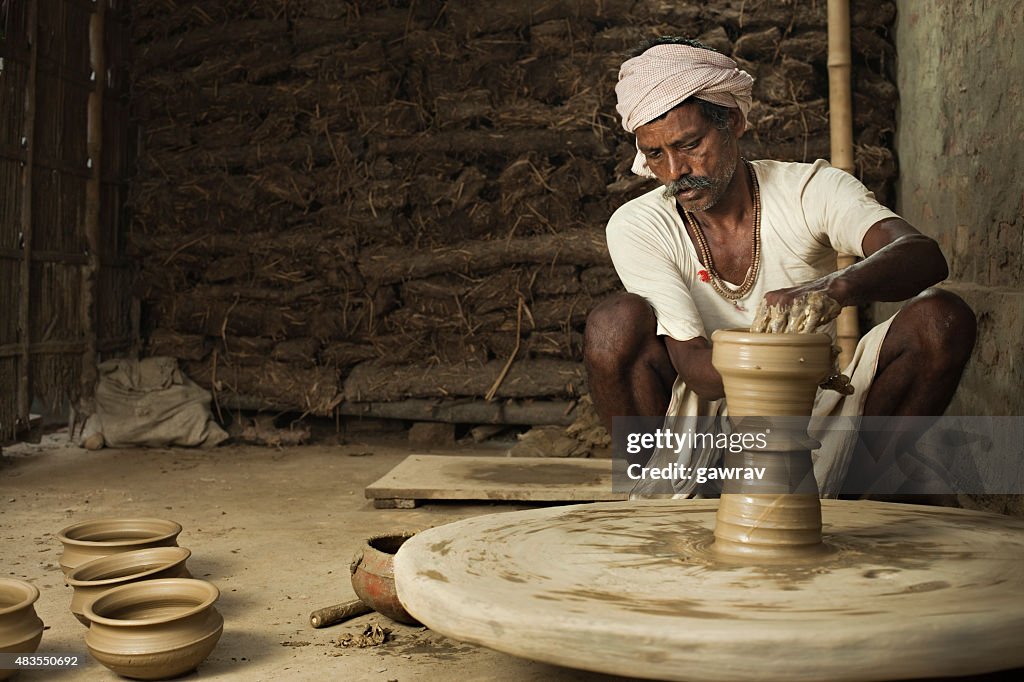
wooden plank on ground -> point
(516, 479)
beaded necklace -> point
(721, 287)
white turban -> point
(665, 75)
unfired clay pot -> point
(373, 576)
(770, 375)
(20, 627)
(154, 629)
(95, 577)
(771, 380)
(88, 540)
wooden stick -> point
(25, 301)
(91, 228)
(840, 102)
(841, 129)
(511, 358)
(332, 615)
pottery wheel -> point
(632, 589)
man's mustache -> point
(688, 182)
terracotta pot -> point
(20, 627)
(770, 375)
(373, 576)
(154, 629)
(95, 577)
(88, 540)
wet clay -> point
(642, 579)
(770, 382)
(770, 375)
(805, 315)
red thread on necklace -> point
(704, 276)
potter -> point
(725, 236)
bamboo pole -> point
(25, 300)
(94, 149)
(841, 131)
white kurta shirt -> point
(809, 212)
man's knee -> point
(945, 328)
(618, 328)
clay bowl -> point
(20, 627)
(88, 540)
(373, 576)
(95, 577)
(154, 629)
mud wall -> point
(371, 202)
(960, 145)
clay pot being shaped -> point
(373, 576)
(88, 540)
(770, 375)
(154, 629)
(770, 381)
(20, 627)
(95, 577)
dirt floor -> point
(274, 529)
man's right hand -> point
(805, 315)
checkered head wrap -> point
(665, 75)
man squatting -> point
(700, 254)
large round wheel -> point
(631, 588)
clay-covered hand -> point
(804, 315)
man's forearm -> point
(896, 272)
(692, 360)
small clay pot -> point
(95, 577)
(154, 629)
(373, 576)
(88, 540)
(20, 627)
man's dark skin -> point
(631, 369)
